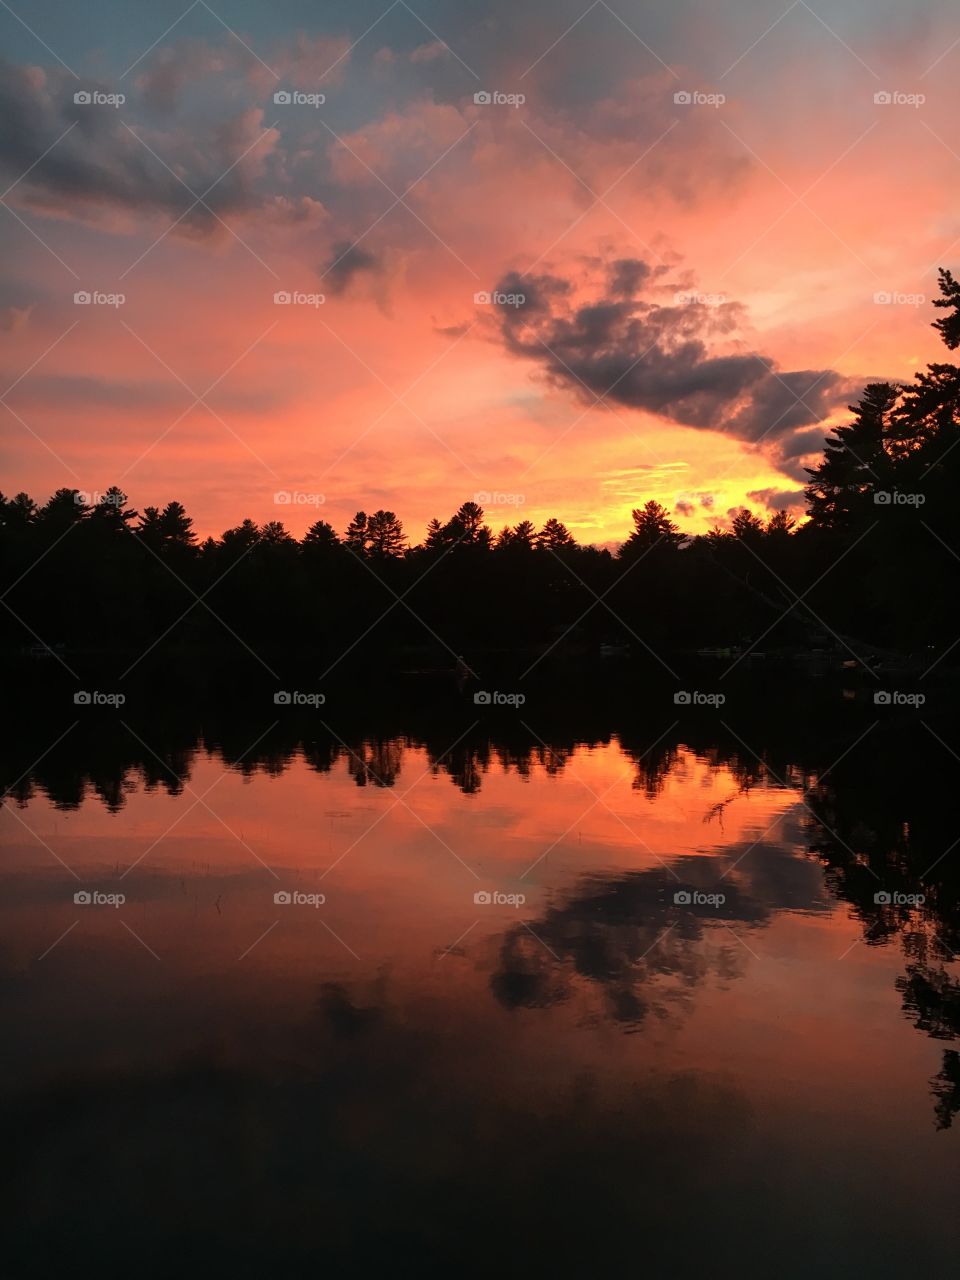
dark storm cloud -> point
(639, 347)
(346, 263)
(628, 276)
(64, 156)
(777, 499)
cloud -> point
(16, 304)
(626, 340)
(776, 499)
(95, 156)
(62, 391)
(347, 262)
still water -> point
(303, 1000)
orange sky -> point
(793, 203)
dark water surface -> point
(688, 1038)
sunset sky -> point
(699, 277)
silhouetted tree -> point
(321, 536)
(356, 537)
(780, 524)
(652, 528)
(855, 464)
(555, 536)
(436, 538)
(385, 535)
(176, 527)
(948, 326)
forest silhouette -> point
(873, 567)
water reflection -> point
(699, 991)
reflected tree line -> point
(876, 557)
(885, 830)
(112, 764)
(624, 936)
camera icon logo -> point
(681, 698)
(482, 98)
(483, 898)
(282, 98)
(683, 97)
(482, 299)
(82, 98)
(882, 498)
(882, 899)
(883, 98)
(83, 898)
(882, 298)
(682, 898)
(882, 698)
(282, 698)
(82, 698)
(282, 898)
(82, 299)
(282, 298)
(282, 496)
(482, 698)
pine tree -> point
(780, 524)
(111, 513)
(436, 538)
(747, 527)
(356, 537)
(948, 326)
(175, 526)
(17, 512)
(855, 464)
(555, 536)
(385, 534)
(652, 528)
(524, 535)
(321, 536)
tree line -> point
(872, 567)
